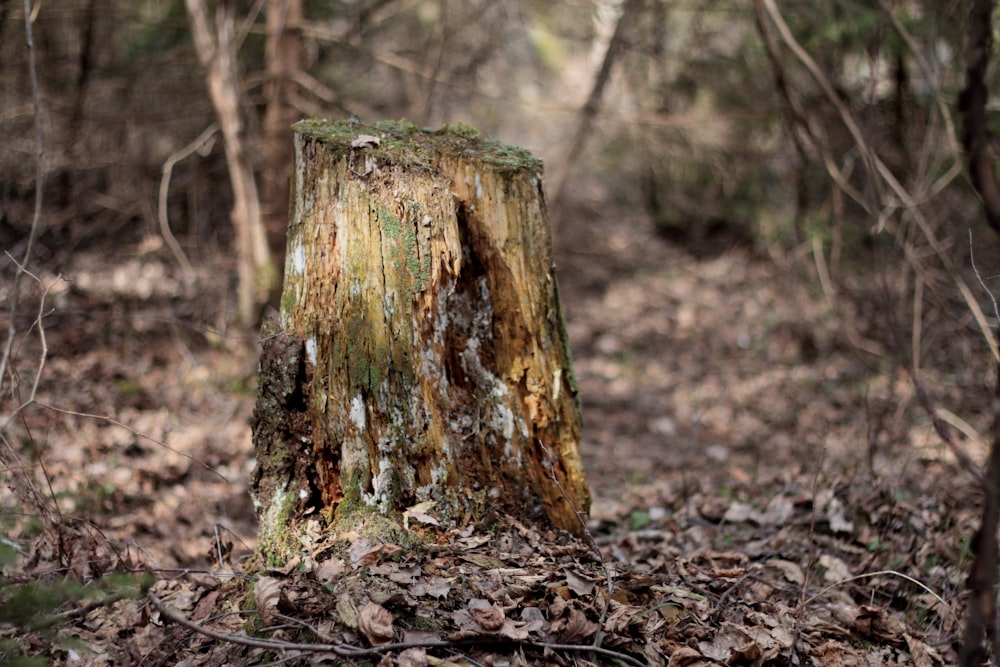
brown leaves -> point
(375, 623)
(482, 618)
(267, 596)
(489, 616)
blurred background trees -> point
(821, 136)
(708, 120)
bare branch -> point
(216, 48)
(29, 18)
(348, 651)
(881, 176)
(589, 111)
(168, 168)
(983, 575)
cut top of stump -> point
(403, 143)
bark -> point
(217, 52)
(421, 353)
(284, 60)
(980, 625)
(976, 136)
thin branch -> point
(136, 433)
(845, 114)
(949, 125)
(609, 572)
(168, 168)
(348, 651)
(402, 64)
(979, 277)
(964, 460)
(799, 114)
(589, 111)
(976, 135)
(881, 175)
(894, 573)
(983, 576)
(36, 218)
(43, 354)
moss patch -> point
(403, 143)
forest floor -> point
(767, 489)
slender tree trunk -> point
(421, 355)
(980, 626)
(976, 135)
(589, 111)
(283, 53)
(217, 52)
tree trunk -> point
(283, 53)
(217, 53)
(421, 353)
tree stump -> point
(421, 355)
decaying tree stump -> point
(420, 353)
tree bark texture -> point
(283, 54)
(976, 135)
(421, 353)
(216, 50)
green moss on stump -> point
(402, 142)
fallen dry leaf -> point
(375, 623)
(412, 657)
(685, 656)
(363, 552)
(329, 571)
(489, 616)
(419, 512)
(619, 617)
(579, 584)
(206, 605)
(790, 571)
(574, 628)
(434, 586)
(921, 655)
(732, 644)
(267, 595)
(836, 569)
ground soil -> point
(767, 488)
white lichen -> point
(312, 350)
(358, 413)
(298, 257)
(381, 486)
(277, 511)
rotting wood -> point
(419, 287)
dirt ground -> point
(767, 489)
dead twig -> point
(893, 573)
(609, 572)
(201, 143)
(810, 556)
(891, 195)
(964, 460)
(36, 218)
(138, 434)
(589, 111)
(348, 651)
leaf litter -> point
(764, 492)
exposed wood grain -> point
(419, 276)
